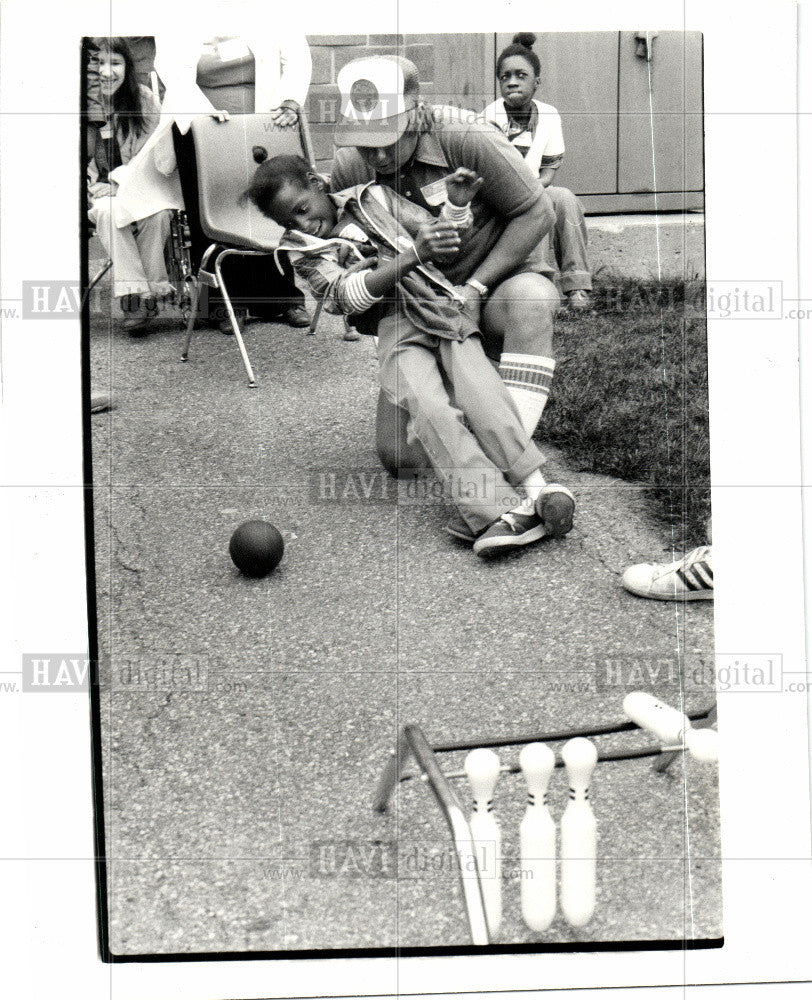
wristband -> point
(479, 287)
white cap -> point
(377, 94)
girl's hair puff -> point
(522, 45)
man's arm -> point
(349, 168)
(518, 238)
(512, 191)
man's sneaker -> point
(511, 531)
(459, 529)
(687, 579)
(555, 506)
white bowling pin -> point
(666, 723)
(537, 839)
(482, 769)
(703, 744)
(579, 835)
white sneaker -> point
(687, 579)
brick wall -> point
(331, 52)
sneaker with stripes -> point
(687, 579)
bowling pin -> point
(666, 723)
(482, 769)
(537, 839)
(579, 835)
(703, 744)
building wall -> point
(632, 113)
(623, 114)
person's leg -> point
(491, 413)
(269, 294)
(398, 455)
(128, 271)
(570, 241)
(517, 324)
(495, 422)
(152, 233)
(411, 379)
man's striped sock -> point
(527, 378)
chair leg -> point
(249, 371)
(190, 326)
(316, 314)
(97, 277)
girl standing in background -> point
(535, 130)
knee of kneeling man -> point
(531, 295)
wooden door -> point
(463, 70)
(660, 133)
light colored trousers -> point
(137, 251)
(479, 466)
(565, 246)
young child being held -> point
(368, 253)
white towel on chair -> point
(149, 183)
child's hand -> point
(436, 241)
(461, 186)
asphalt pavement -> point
(245, 722)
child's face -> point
(308, 209)
(517, 82)
(112, 69)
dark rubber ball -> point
(256, 548)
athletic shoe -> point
(99, 402)
(136, 326)
(555, 506)
(350, 333)
(296, 316)
(687, 579)
(240, 314)
(579, 300)
(459, 529)
(512, 531)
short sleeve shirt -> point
(456, 139)
(545, 123)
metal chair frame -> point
(210, 273)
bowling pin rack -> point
(412, 743)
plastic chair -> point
(227, 155)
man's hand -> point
(436, 241)
(473, 302)
(220, 116)
(284, 117)
(461, 186)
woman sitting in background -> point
(122, 114)
(535, 130)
